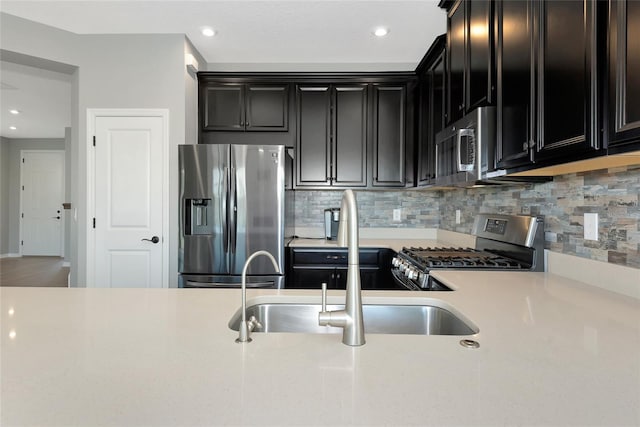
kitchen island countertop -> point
(552, 352)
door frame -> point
(92, 115)
(20, 218)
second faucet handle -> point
(324, 296)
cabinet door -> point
(267, 107)
(567, 91)
(223, 107)
(349, 136)
(389, 135)
(312, 278)
(624, 75)
(479, 85)
(515, 82)
(424, 120)
(432, 117)
(313, 136)
(456, 35)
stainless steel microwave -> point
(465, 150)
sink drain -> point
(469, 343)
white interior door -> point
(128, 201)
(42, 197)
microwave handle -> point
(464, 167)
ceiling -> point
(296, 35)
(43, 98)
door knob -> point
(154, 239)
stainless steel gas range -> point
(503, 242)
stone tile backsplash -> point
(420, 209)
(613, 194)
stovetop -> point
(428, 258)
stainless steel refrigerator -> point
(231, 205)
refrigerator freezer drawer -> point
(201, 281)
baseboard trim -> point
(10, 255)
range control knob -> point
(395, 261)
(408, 272)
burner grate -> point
(458, 258)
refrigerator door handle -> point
(225, 210)
(234, 211)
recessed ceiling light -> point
(209, 32)
(14, 111)
(381, 31)
(13, 128)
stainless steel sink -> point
(378, 319)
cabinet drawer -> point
(331, 257)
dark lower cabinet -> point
(623, 127)
(308, 268)
(568, 120)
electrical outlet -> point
(458, 216)
(397, 213)
(591, 226)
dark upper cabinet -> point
(479, 85)
(389, 135)
(431, 110)
(515, 85)
(623, 75)
(470, 47)
(332, 135)
(567, 91)
(456, 36)
(244, 106)
(313, 142)
(349, 148)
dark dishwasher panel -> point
(308, 268)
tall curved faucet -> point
(349, 319)
(247, 326)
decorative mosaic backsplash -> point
(614, 195)
(420, 209)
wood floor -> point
(33, 271)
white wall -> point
(4, 196)
(15, 146)
(113, 71)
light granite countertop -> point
(552, 352)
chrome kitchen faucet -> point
(247, 326)
(349, 319)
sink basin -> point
(378, 319)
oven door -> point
(403, 281)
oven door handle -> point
(402, 281)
